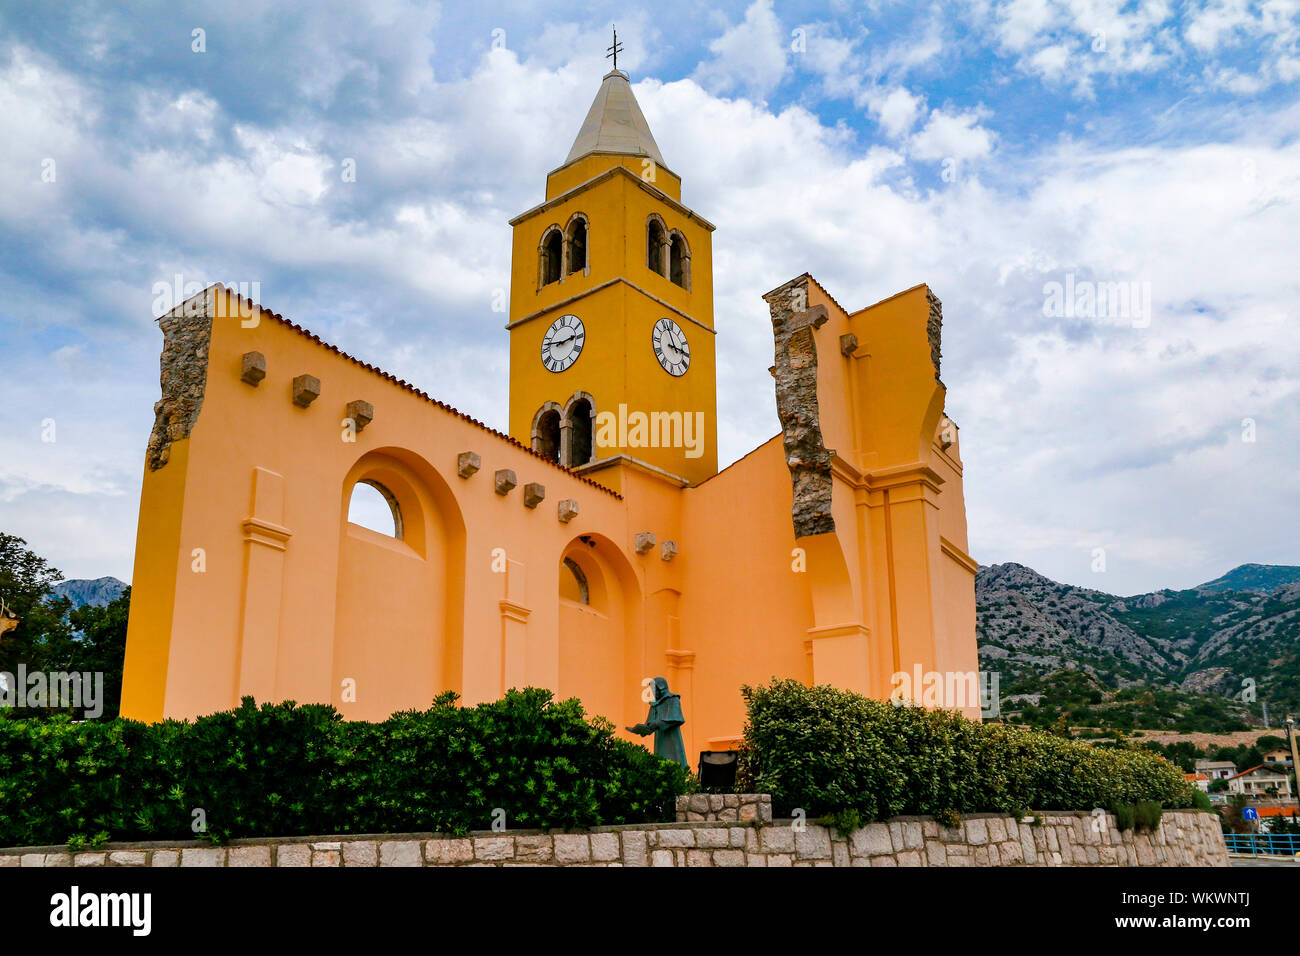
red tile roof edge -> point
(1262, 766)
(403, 384)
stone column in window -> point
(566, 439)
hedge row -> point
(285, 770)
(832, 752)
(527, 761)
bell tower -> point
(612, 347)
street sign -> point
(1250, 813)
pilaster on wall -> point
(514, 628)
(681, 679)
(903, 502)
(265, 541)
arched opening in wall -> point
(679, 261)
(373, 506)
(655, 239)
(581, 446)
(399, 601)
(546, 433)
(552, 249)
(600, 649)
(578, 245)
(573, 583)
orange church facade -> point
(594, 547)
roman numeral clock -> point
(671, 348)
(563, 343)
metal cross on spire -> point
(614, 49)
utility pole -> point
(1295, 759)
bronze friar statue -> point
(665, 722)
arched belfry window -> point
(679, 261)
(656, 242)
(552, 255)
(576, 241)
(546, 431)
(576, 443)
(373, 506)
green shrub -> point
(60, 779)
(1144, 815)
(826, 750)
(844, 821)
(1147, 815)
(284, 770)
(542, 763)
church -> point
(593, 547)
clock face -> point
(671, 347)
(563, 343)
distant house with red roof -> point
(1260, 781)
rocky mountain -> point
(1258, 578)
(1219, 649)
(97, 591)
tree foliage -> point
(52, 635)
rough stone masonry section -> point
(727, 807)
(806, 455)
(1184, 838)
(934, 329)
(184, 377)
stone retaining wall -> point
(726, 807)
(1184, 838)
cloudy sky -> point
(991, 149)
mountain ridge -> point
(1257, 578)
(94, 591)
(1221, 649)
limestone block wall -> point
(727, 807)
(1184, 838)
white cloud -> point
(952, 136)
(1216, 23)
(833, 58)
(896, 110)
(1063, 40)
(911, 51)
(1236, 82)
(1021, 22)
(1076, 41)
(1051, 61)
(750, 57)
(1226, 25)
